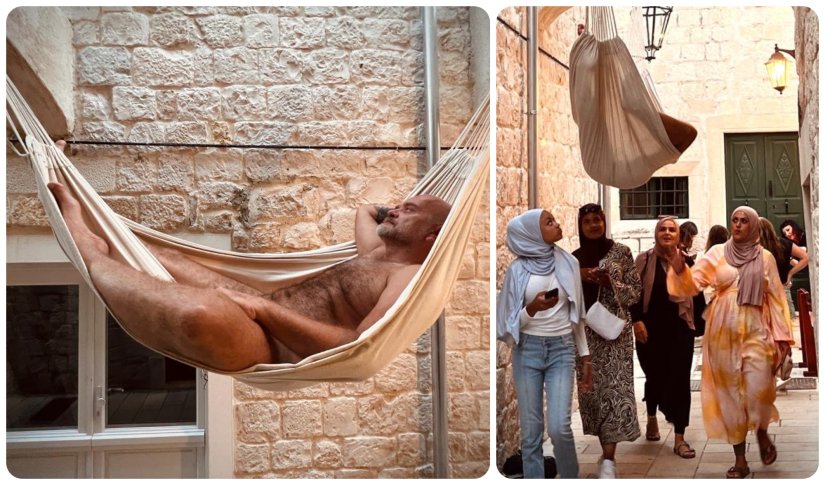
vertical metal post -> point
(438, 352)
(532, 111)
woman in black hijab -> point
(609, 276)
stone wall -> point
(563, 185)
(807, 65)
(287, 76)
(710, 72)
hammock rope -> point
(459, 178)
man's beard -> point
(391, 233)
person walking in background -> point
(716, 235)
(665, 328)
(540, 312)
(609, 276)
(791, 230)
(784, 251)
(688, 231)
(748, 332)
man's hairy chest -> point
(343, 294)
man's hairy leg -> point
(189, 272)
(199, 324)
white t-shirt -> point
(553, 322)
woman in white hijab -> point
(540, 313)
(748, 331)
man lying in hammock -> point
(225, 325)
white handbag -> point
(604, 323)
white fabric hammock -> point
(459, 178)
(622, 137)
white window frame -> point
(37, 260)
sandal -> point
(684, 450)
(652, 432)
(768, 455)
(738, 472)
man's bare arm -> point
(395, 286)
(366, 237)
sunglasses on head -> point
(589, 209)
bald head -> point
(416, 221)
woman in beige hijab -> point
(748, 330)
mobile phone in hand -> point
(554, 293)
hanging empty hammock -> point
(459, 178)
(622, 136)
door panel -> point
(744, 172)
(784, 189)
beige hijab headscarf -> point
(646, 268)
(746, 256)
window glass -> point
(659, 196)
(144, 387)
(41, 357)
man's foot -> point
(89, 243)
(738, 472)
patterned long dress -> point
(739, 349)
(609, 409)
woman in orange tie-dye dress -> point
(748, 331)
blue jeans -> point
(545, 364)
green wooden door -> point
(762, 171)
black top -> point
(783, 261)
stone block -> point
(259, 421)
(136, 175)
(352, 388)
(378, 190)
(175, 173)
(238, 65)
(369, 452)
(126, 29)
(326, 454)
(396, 473)
(406, 13)
(302, 33)
(454, 39)
(283, 66)
(462, 332)
(346, 473)
(291, 454)
(386, 33)
(27, 211)
(103, 66)
(375, 66)
(261, 30)
(340, 222)
(94, 106)
(316, 391)
(81, 13)
(412, 449)
(205, 74)
(302, 236)
(328, 66)
(220, 221)
(455, 371)
(243, 103)
(380, 416)
(339, 102)
(133, 103)
(284, 202)
(399, 375)
(262, 165)
(344, 33)
(85, 33)
(264, 237)
(252, 458)
(457, 445)
(146, 132)
(219, 165)
(467, 297)
(289, 103)
(158, 67)
(319, 11)
(199, 104)
(341, 417)
(221, 30)
(264, 133)
(163, 212)
(478, 370)
(464, 412)
(187, 132)
(301, 419)
(172, 30)
(167, 105)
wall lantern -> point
(656, 19)
(777, 67)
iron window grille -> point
(660, 195)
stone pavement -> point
(796, 436)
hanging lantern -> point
(656, 20)
(777, 67)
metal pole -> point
(438, 351)
(532, 90)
